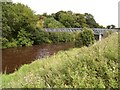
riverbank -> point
(92, 67)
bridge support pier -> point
(100, 37)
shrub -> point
(12, 43)
(78, 41)
(41, 37)
(8, 44)
(3, 42)
(68, 36)
(23, 38)
(65, 37)
(54, 37)
(85, 38)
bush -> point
(3, 42)
(68, 36)
(23, 38)
(85, 38)
(8, 44)
(78, 41)
(65, 37)
(41, 37)
(54, 37)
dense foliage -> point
(85, 38)
(40, 37)
(52, 23)
(18, 23)
(92, 67)
(62, 37)
(69, 19)
(21, 27)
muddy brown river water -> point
(13, 58)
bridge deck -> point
(96, 31)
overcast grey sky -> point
(105, 12)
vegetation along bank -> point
(87, 67)
(22, 27)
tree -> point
(91, 21)
(79, 18)
(40, 22)
(52, 23)
(66, 18)
(41, 37)
(23, 38)
(75, 20)
(85, 38)
(113, 26)
(110, 27)
(17, 17)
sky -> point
(105, 12)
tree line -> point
(22, 27)
(68, 19)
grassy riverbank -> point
(92, 67)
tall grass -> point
(92, 67)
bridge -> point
(97, 31)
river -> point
(13, 58)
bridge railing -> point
(95, 30)
(62, 29)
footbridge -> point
(97, 31)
